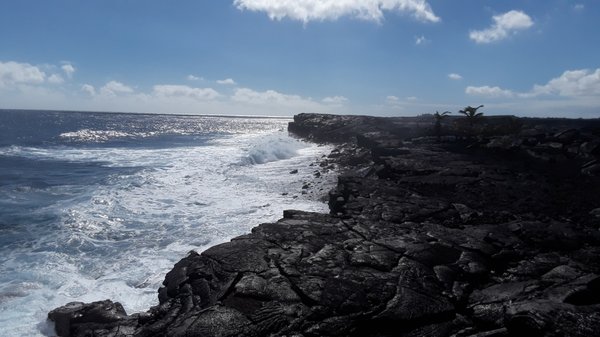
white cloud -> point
(488, 91)
(272, 102)
(421, 40)
(579, 7)
(320, 10)
(392, 99)
(193, 78)
(114, 88)
(227, 81)
(68, 69)
(89, 89)
(335, 100)
(55, 79)
(573, 94)
(246, 95)
(170, 90)
(20, 73)
(411, 98)
(454, 76)
(503, 26)
(572, 83)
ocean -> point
(98, 206)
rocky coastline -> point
(492, 230)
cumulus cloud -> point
(335, 100)
(488, 91)
(572, 83)
(89, 89)
(68, 69)
(227, 81)
(454, 76)
(171, 90)
(114, 88)
(20, 73)
(55, 79)
(193, 78)
(504, 25)
(321, 10)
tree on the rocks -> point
(472, 115)
(438, 123)
(471, 112)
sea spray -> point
(272, 147)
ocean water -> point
(99, 205)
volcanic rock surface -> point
(467, 236)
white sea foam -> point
(117, 239)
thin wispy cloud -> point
(488, 91)
(504, 25)
(227, 81)
(335, 100)
(193, 78)
(455, 76)
(421, 40)
(172, 90)
(321, 10)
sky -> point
(283, 57)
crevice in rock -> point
(303, 297)
(231, 287)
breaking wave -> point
(272, 147)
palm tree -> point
(471, 114)
(438, 123)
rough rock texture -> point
(424, 239)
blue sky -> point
(378, 57)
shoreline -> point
(464, 237)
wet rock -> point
(77, 318)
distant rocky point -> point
(489, 229)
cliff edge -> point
(460, 234)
